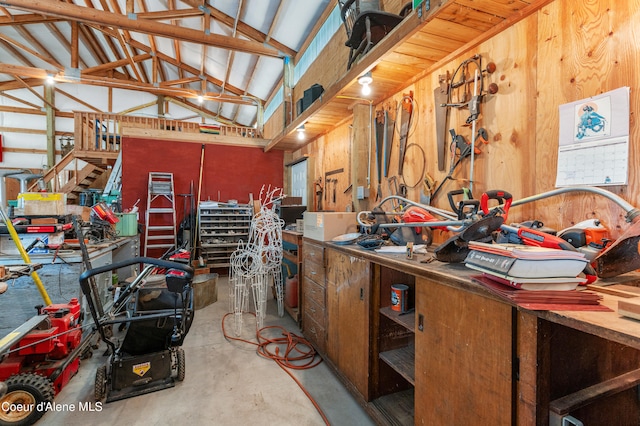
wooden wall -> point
(565, 52)
(333, 59)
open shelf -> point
(396, 408)
(407, 319)
(403, 361)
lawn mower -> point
(38, 360)
(154, 313)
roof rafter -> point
(41, 74)
(244, 29)
(83, 14)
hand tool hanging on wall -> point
(405, 125)
(460, 149)
(380, 128)
(335, 185)
(329, 181)
(462, 78)
(318, 189)
(387, 142)
(441, 94)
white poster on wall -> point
(593, 144)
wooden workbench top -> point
(608, 325)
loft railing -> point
(103, 131)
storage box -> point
(323, 226)
(205, 290)
(43, 203)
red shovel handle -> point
(503, 197)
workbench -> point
(59, 274)
(462, 355)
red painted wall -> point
(229, 172)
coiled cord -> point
(289, 351)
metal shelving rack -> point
(221, 226)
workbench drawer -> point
(315, 311)
(313, 253)
(313, 291)
(314, 271)
(314, 333)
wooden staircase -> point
(72, 175)
(97, 141)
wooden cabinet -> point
(314, 294)
(393, 360)
(348, 288)
(463, 357)
(459, 355)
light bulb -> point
(200, 99)
(366, 89)
(301, 135)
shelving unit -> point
(221, 226)
(395, 349)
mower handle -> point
(84, 277)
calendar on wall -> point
(594, 140)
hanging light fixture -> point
(200, 99)
(365, 80)
(300, 131)
(49, 80)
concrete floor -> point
(226, 383)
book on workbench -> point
(532, 284)
(525, 262)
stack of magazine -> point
(527, 267)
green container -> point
(127, 225)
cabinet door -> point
(463, 357)
(348, 284)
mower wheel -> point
(26, 399)
(100, 387)
(180, 358)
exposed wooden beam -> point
(75, 55)
(25, 19)
(172, 14)
(16, 53)
(123, 84)
(75, 99)
(83, 14)
(244, 29)
(63, 42)
(21, 46)
(115, 64)
(170, 60)
(31, 111)
(22, 101)
(24, 32)
(36, 94)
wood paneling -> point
(463, 377)
(561, 53)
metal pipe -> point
(632, 212)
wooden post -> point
(49, 93)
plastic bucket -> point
(127, 225)
(399, 297)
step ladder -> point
(160, 230)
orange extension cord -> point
(292, 358)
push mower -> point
(154, 312)
(38, 359)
